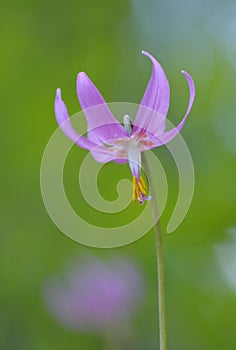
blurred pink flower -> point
(94, 295)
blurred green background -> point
(43, 46)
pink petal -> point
(167, 136)
(155, 102)
(121, 161)
(64, 122)
(102, 126)
(101, 154)
(106, 154)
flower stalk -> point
(159, 259)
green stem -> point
(159, 257)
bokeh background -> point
(43, 46)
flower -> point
(93, 295)
(108, 140)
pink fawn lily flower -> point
(108, 140)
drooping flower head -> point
(94, 295)
(108, 140)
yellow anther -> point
(135, 196)
(141, 188)
(143, 183)
(137, 192)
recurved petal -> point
(167, 136)
(64, 122)
(156, 99)
(102, 126)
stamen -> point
(139, 190)
(134, 189)
(143, 183)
